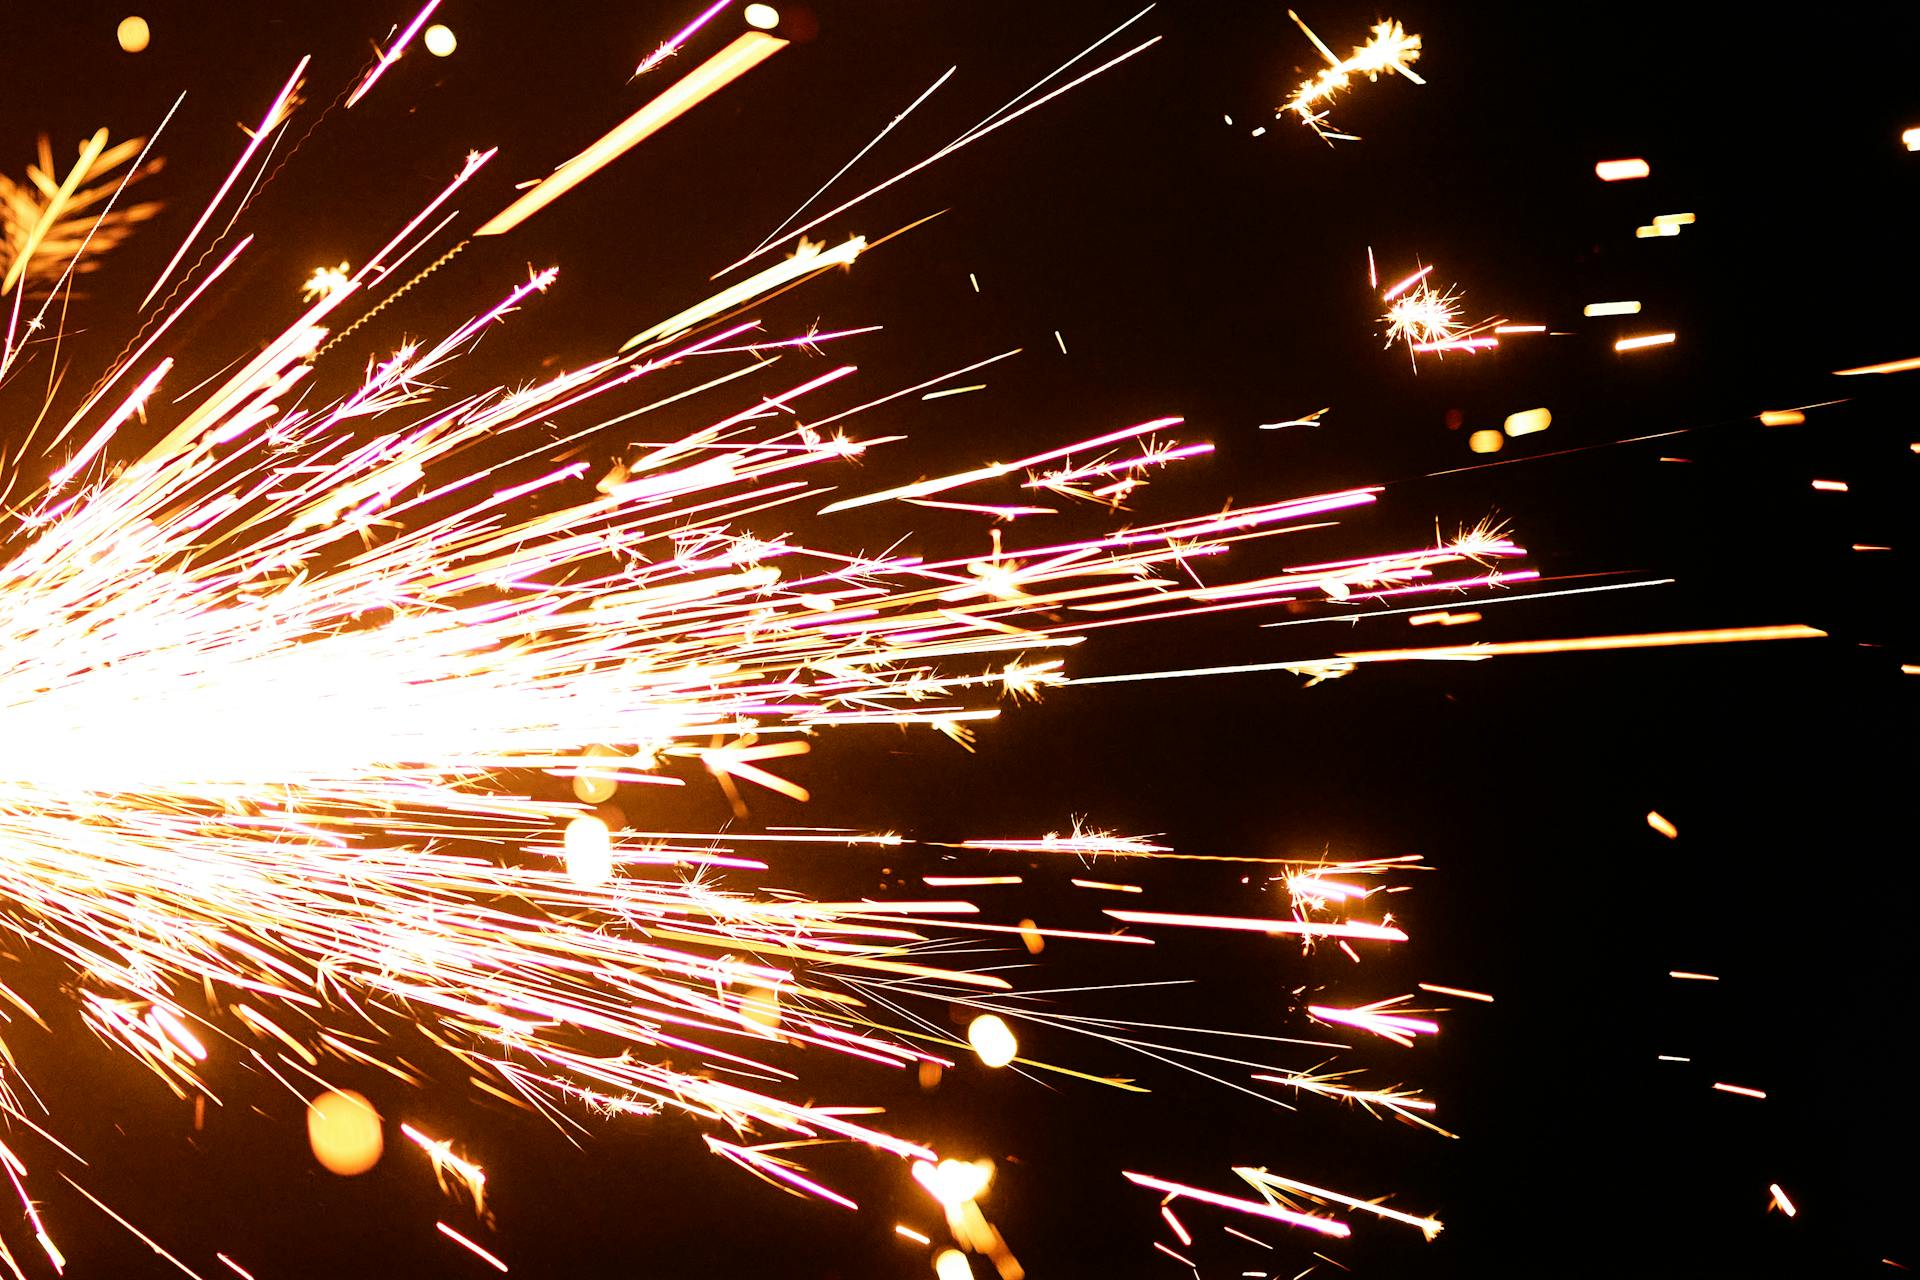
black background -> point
(1194, 269)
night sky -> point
(1191, 268)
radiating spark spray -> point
(331, 648)
(1389, 50)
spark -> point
(1891, 366)
(1456, 991)
(1643, 341)
(1258, 1208)
(1830, 486)
(471, 1247)
(1782, 418)
(1389, 50)
(392, 55)
(1610, 309)
(1694, 977)
(747, 51)
(1740, 1090)
(673, 43)
(1780, 1201)
(1663, 826)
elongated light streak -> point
(471, 1247)
(1260, 1209)
(747, 51)
(392, 55)
(1301, 928)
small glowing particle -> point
(1655, 230)
(764, 17)
(1912, 138)
(1439, 990)
(1909, 669)
(1519, 328)
(1528, 421)
(929, 1075)
(1780, 1199)
(1621, 170)
(1673, 220)
(992, 1040)
(1670, 1057)
(901, 1229)
(953, 391)
(1868, 546)
(1486, 441)
(344, 1131)
(1694, 977)
(588, 846)
(1740, 1089)
(1642, 341)
(1611, 309)
(1031, 936)
(1228, 119)
(133, 33)
(975, 280)
(1661, 825)
(951, 1264)
(440, 40)
(1782, 418)
(1830, 486)
(1260, 132)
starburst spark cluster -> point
(1390, 50)
(278, 663)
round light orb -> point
(440, 40)
(592, 785)
(951, 1264)
(344, 1131)
(992, 1040)
(133, 33)
(762, 16)
(760, 1007)
(588, 846)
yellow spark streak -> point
(1780, 1199)
(1455, 991)
(1258, 1208)
(1588, 644)
(1891, 366)
(747, 51)
(806, 260)
(1695, 977)
(1302, 928)
(1621, 170)
(1661, 825)
(1644, 340)
(901, 1229)
(1611, 309)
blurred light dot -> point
(760, 1007)
(132, 33)
(589, 851)
(992, 1040)
(440, 40)
(1528, 421)
(763, 16)
(1621, 170)
(592, 785)
(1661, 825)
(951, 1264)
(344, 1131)
(1782, 418)
(1629, 308)
(954, 1182)
(1912, 138)
(1486, 441)
(1031, 935)
(929, 1075)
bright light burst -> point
(1389, 50)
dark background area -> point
(1192, 268)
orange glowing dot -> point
(1029, 934)
(951, 1264)
(1528, 421)
(1782, 418)
(1912, 138)
(440, 40)
(760, 1007)
(133, 33)
(762, 16)
(1486, 441)
(1661, 825)
(992, 1040)
(929, 1075)
(1621, 170)
(595, 786)
(344, 1131)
